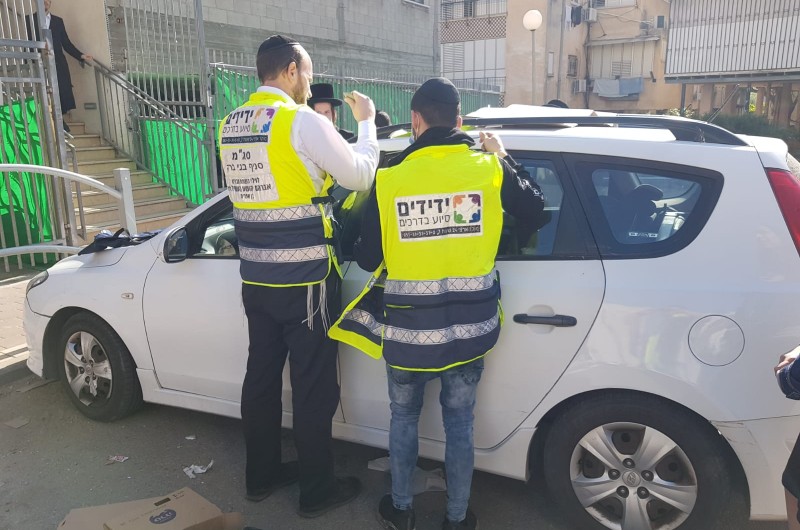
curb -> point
(14, 372)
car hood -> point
(103, 258)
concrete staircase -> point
(154, 205)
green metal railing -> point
(232, 85)
(168, 145)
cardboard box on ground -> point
(182, 510)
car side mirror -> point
(176, 246)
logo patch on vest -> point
(245, 136)
(439, 215)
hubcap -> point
(87, 368)
(632, 477)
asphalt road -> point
(57, 462)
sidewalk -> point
(13, 350)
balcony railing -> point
(460, 9)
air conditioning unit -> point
(589, 15)
(578, 86)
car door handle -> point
(559, 321)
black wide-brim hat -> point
(323, 93)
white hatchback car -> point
(634, 369)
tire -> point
(683, 478)
(104, 386)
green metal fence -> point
(24, 200)
(177, 158)
(232, 86)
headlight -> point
(37, 280)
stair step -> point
(108, 213)
(137, 178)
(141, 192)
(76, 127)
(96, 154)
(144, 223)
(105, 166)
(86, 140)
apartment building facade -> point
(737, 58)
(601, 54)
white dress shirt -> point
(322, 149)
(46, 25)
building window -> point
(469, 8)
(621, 69)
(572, 66)
(459, 9)
(475, 64)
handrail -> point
(69, 175)
(141, 95)
(38, 249)
(181, 161)
(122, 176)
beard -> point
(300, 93)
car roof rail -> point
(683, 129)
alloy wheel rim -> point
(87, 368)
(629, 476)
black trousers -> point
(276, 320)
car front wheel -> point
(640, 463)
(97, 370)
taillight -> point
(787, 191)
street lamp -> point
(533, 21)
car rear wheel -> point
(640, 463)
(97, 370)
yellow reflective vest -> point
(283, 225)
(434, 304)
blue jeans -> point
(406, 390)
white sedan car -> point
(634, 368)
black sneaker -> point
(288, 475)
(347, 489)
(470, 522)
(393, 519)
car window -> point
(643, 207)
(556, 235)
(518, 241)
(646, 208)
(218, 236)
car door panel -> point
(196, 324)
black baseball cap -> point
(436, 90)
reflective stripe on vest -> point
(283, 229)
(434, 287)
(441, 336)
(441, 219)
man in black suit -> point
(60, 44)
(323, 102)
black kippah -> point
(437, 90)
(275, 42)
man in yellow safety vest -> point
(430, 231)
(280, 158)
